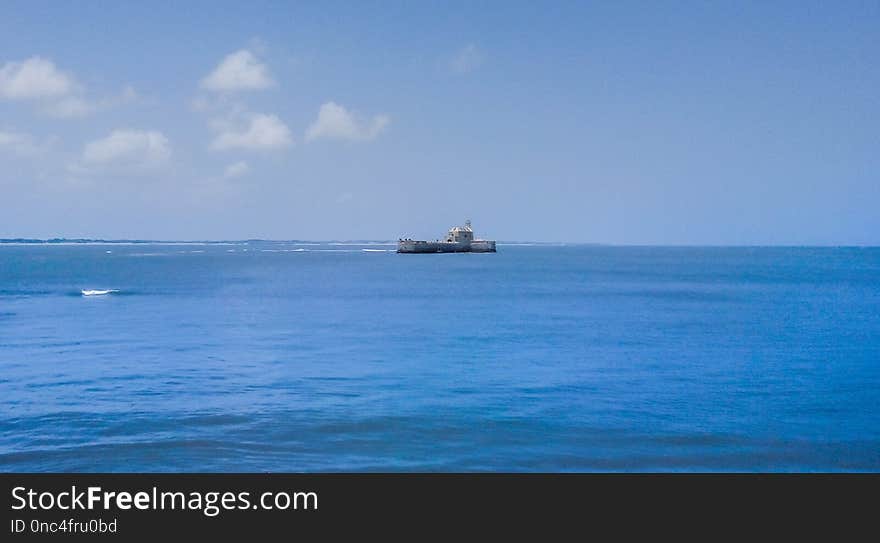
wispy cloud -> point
(337, 123)
(75, 107)
(19, 144)
(238, 71)
(467, 59)
(237, 169)
(69, 107)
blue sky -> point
(612, 122)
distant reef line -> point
(37, 241)
(85, 241)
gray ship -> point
(460, 239)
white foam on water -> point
(378, 250)
(351, 244)
(98, 292)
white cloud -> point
(467, 59)
(336, 122)
(238, 71)
(34, 78)
(236, 170)
(128, 148)
(18, 144)
(261, 132)
(57, 93)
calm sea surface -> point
(321, 357)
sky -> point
(694, 123)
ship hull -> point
(482, 246)
(409, 246)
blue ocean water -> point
(276, 356)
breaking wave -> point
(98, 292)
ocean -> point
(295, 357)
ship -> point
(459, 239)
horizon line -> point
(145, 241)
